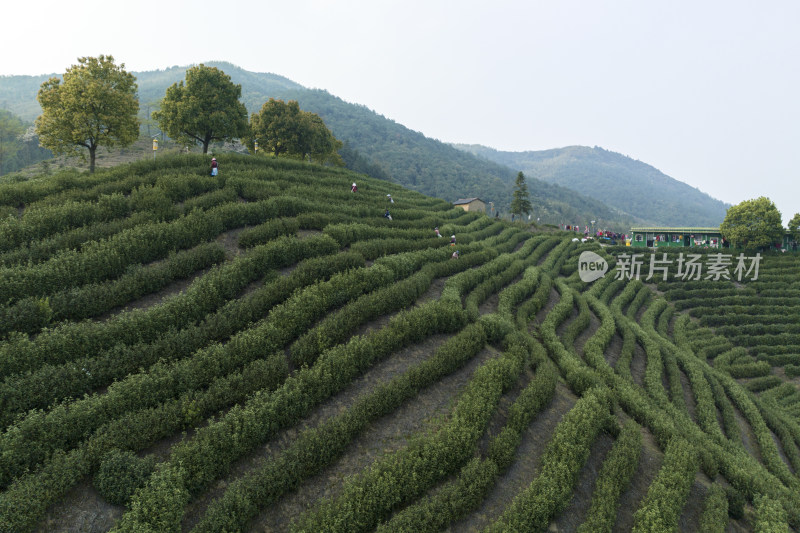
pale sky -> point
(708, 92)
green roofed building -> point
(685, 237)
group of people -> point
(456, 253)
(354, 188)
(600, 233)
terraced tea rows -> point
(266, 350)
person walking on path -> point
(214, 166)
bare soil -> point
(82, 510)
(781, 451)
(614, 350)
(748, 437)
(688, 396)
(489, 305)
(638, 364)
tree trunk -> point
(92, 151)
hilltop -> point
(268, 351)
(382, 148)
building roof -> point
(462, 201)
(684, 229)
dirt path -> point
(82, 510)
(638, 364)
(614, 349)
(688, 396)
(526, 465)
(781, 451)
(489, 305)
(748, 437)
(230, 241)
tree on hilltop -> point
(794, 227)
(521, 204)
(204, 109)
(753, 224)
(95, 105)
(11, 129)
(283, 129)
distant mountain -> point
(570, 185)
(634, 187)
(438, 169)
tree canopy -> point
(283, 129)
(204, 109)
(521, 203)
(753, 224)
(95, 105)
(794, 227)
(11, 128)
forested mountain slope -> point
(266, 350)
(374, 145)
(617, 180)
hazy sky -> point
(708, 92)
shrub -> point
(715, 511)
(120, 474)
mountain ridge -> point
(380, 147)
(644, 188)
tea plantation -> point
(266, 351)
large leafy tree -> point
(283, 129)
(753, 224)
(11, 129)
(94, 105)
(204, 109)
(794, 227)
(521, 203)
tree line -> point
(95, 103)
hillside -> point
(616, 180)
(267, 351)
(376, 146)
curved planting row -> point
(272, 354)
